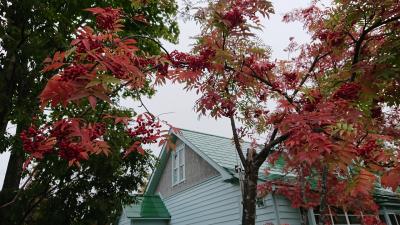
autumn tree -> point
(31, 30)
(337, 106)
(102, 183)
(335, 132)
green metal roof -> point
(222, 151)
(387, 198)
(147, 207)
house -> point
(198, 183)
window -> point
(394, 218)
(178, 165)
(260, 202)
(340, 217)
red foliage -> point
(371, 220)
(73, 72)
(290, 78)
(107, 18)
(146, 129)
(88, 70)
(367, 147)
(319, 133)
(348, 91)
(192, 62)
(69, 138)
(233, 18)
(310, 103)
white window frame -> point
(345, 214)
(395, 217)
(178, 164)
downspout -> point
(239, 170)
(276, 207)
(311, 217)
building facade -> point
(198, 183)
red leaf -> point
(92, 101)
(95, 10)
(140, 18)
(391, 179)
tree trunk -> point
(7, 89)
(14, 167)
(249, 195)
(323, 207)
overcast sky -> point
(176, 105)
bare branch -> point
(151, 39)
(310, 70)
(264, 153)
(237, 142)
(359, 43)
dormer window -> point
(178, 164)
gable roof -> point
(218, 151)
(222, 149)
(147, 207)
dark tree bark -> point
(250, 194)
(15, 163)
(324, 218)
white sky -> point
(178, 104)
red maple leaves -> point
(71, 139)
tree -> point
(31, 30)
(335, 132)
(113, 177)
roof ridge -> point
(199, 132)
(214, 135)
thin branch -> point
(237, 142)
(266, 82)
(151, 39)
(273, 135)
(362, 139)
(358, 47)
(144, 106)
(20, 190)
(260, 158)
(309, 72)
(351, 36)
(263, 154)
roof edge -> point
(151, 186)
(225, 175)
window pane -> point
(398, 218)
(175, 175)
(174, 161)
(340, 219)
(181, 159)
(393, 219)
(260, 202)
(181, 173)
(317, 219)
(353, 219)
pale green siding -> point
(266, 213)
(211, 202)
(217, 202)
(287, 214)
